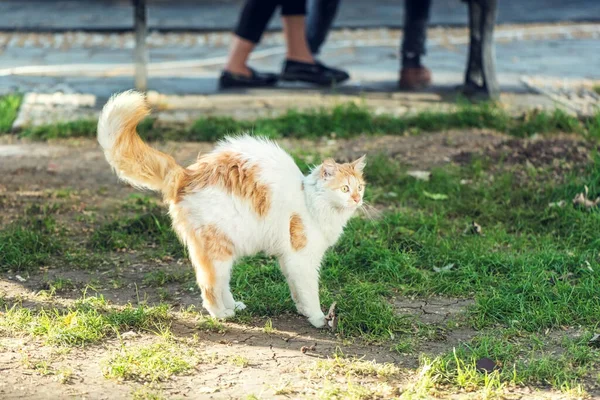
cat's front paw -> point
(239, 306)
(223, 314)
(318, 321)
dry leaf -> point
(420, 175)
(559, 204)
(473, 229)
(444, 268)
(582, 200)
(486, 365)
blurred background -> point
(547, 48)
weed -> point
(340, 365)
(59, 284)
(88, 321)
(268, 328)
(9, 107)
(239, 361)
(210, 324)
(146, 394)
(164, 295)
(150, 363)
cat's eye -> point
(345, 188)
(360, 188)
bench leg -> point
(480, 77)
(141, 51)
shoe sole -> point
(246, 86)
(305, 79)
(414, 87)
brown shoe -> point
(414, 78)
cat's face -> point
(344, 184)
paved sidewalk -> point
(214, 15)
(542, 65)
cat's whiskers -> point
(369, 211)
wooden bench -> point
(480, 75)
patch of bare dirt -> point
(423, 151)
(434, 310)
(560, 154)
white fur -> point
(115, 115)
(324, 213)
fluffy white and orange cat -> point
(245, 196)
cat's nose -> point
(356, 198)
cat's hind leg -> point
(212, 257)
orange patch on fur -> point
(231, 172)
(343, 172)
(212, 245)
(205, 245)
(297, 233)
(215, 244)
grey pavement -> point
(211, 15)
(373, 64)
(537, 66)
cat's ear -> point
(359, 164)
(328, 168)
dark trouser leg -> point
(254, 19)
(319, 19)
(293, 7)
(416, 17)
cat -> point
(246, 196)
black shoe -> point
(257, 79)
(317, 73)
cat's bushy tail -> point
(133, 160)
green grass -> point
(151, 363)
(239, 361)
(88, 321)
(161, 277)
(9, 107)
(83, 128)
(535, 267)
(60, 284)
(339, 365)
(347, 120)
(135, 233)
(28, 243)
(519, 361)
